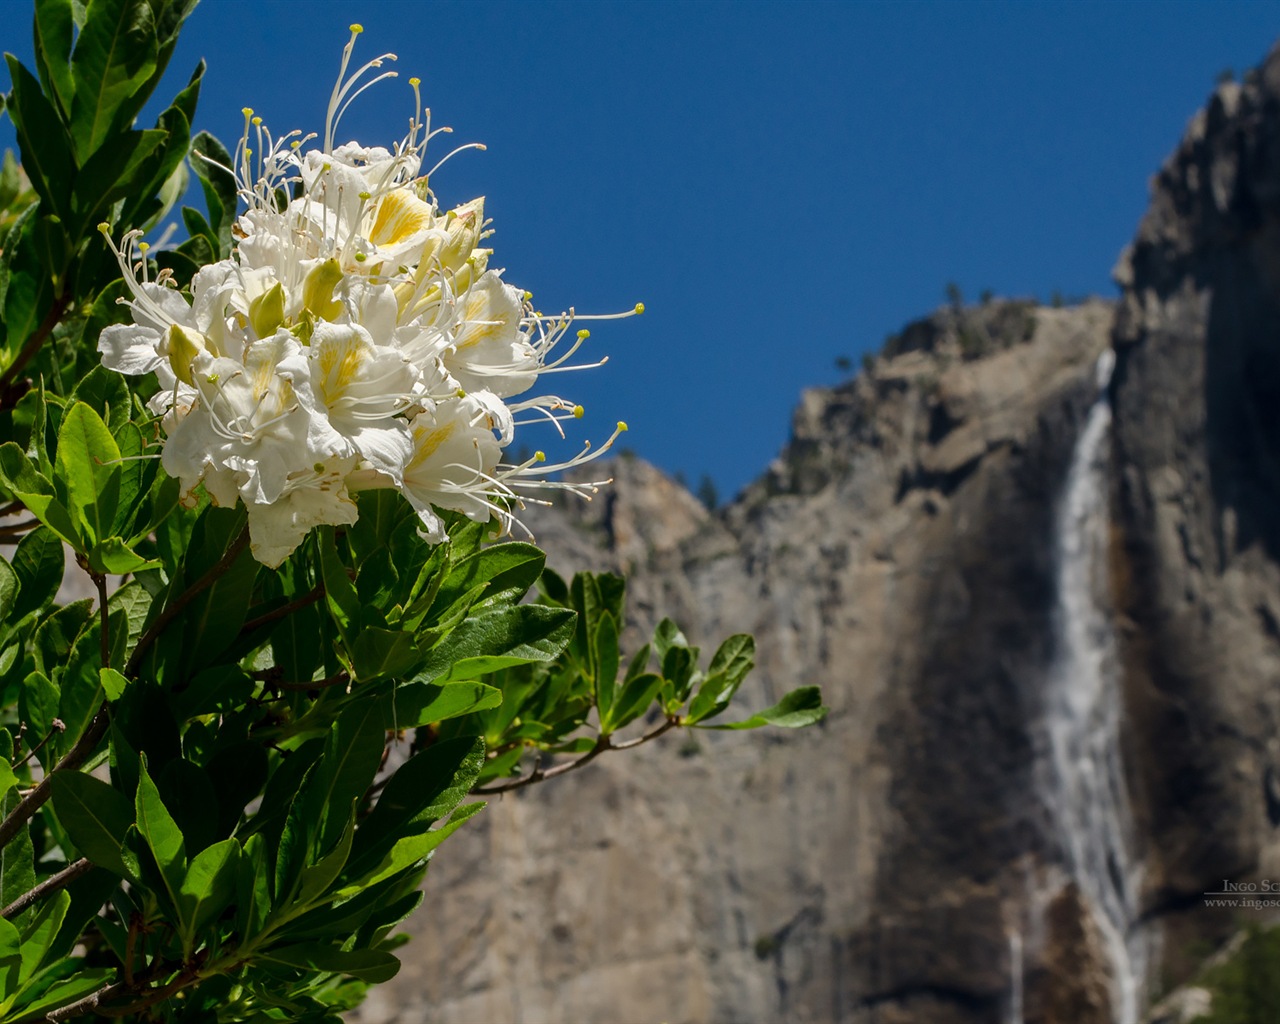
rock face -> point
(1197, 402)
(905, 861)
(866, 870)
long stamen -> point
(336, 97)
(469, 145)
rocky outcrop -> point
(1197, 402)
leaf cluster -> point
(97, 64)
(221, 783)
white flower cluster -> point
(357, 338)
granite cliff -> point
(969, 837)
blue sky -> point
(782, 184)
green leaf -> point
(114, 171)
(410, 705)
(502, 637)
(64, 993)
(88, 894)
(133, 602)
(114, 56)
(107, 394)
(36, 492)
(634, 700)
(80, 682)
(49, 235)
(379, 653)
(26, 282)
(340, 593)
(678, 664)
(8, 590)
(423, 790)
(317, 879)
(88, 467)
(381, 511)
(45, 154)
(508, 570)
(667, 636)
(10, 941)
(198, 230)
(293, 644)
(379, 580)
(53, 32)
(585, 596)
(359, 904)
(295, 843)
(19, 856)
(38, 707)
(95, 815)
(253, 896)
(172, 190)
(39, 563)
(55, 636)
(161, 833)
(136, 474)
(369, 965)
(142, 206)
(800, 707)
(30, 423)
(735, 657)
(208, 888)
(208, 158)
(212, 620)
(606, 661)
(412, 849)
(39, 933)
(713, 696)
(113, 683)
(113, 556)
(352, 756)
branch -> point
(50, 321)
(74, 758)
(58, 727)
(652, 734)
(189, 976)
(602, 744)
(173, 610)
(89, 739)
(51, 884)
(100, 582)
(283, 611)
(270, 678)
(92, 1003)
(319, 684)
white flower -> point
(454, 458)
(356, 338)
(490, 350)
(248, 419)
(311, 497)
(357, 392)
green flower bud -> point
(266, 312)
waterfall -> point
(1015, 978)
(1087, 794)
